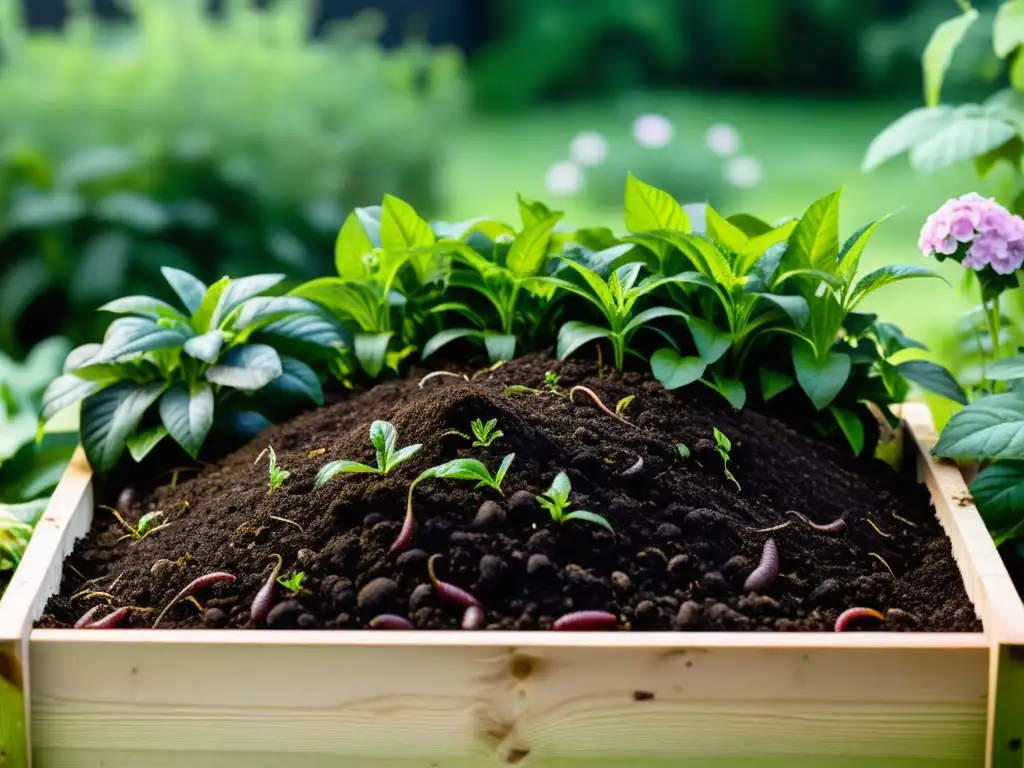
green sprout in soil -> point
(724, 445)
(384, 437)
(683, 450)
(551, 380)
(277, 474)
(556, 501)
(144, 527)
(520, 389)
(623, 404)
(485, 434)
(293, 583)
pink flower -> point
(994, 238)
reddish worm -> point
(264, 600)
(582, 621)
(201, 583)
(767, 570)
(473, 618)
(390, 621)
(449, 592)
(109, 621)
(597, 401)
(853, 614)
(408, 525)
(87, 617)
(835, 528)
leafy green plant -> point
(384, 437)
(485, 433)
(293, 583)
(276, 474)
(145, 527)
(471, 469)
(683, 450)
(556, 501)
(164, 371)
(551, 380)
(623, 404)
(723, 446)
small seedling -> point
(277, 474)
(144, 527)
(551, 380)
(724, 445)
(485, 434)
(316, 452)
(623, 404)
(293, 583)
(683, 450)
(384, 437)
(556, 501)
(520, 389)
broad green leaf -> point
(532, 211)
(401, 228)
(384, 437)
(711, 341)
(140, 445)
(991, 428)
(206, 347)
(239, 291)
(333, 468)
(757, 246)
(447, 336)
(371, 350)
(731, 389)
(815, 240)
(998, 492)
(648, 315)
(560, 488)
(883, 276)
(187, 412)
(849, 256)
(961, 138)
(499, 346)
(248, 367)
(262, 310)
(463, 309)
(461, 469)
(403, 454)
(675, 371)
(370, 216)
(297, 380)
(934, 378)
(750, 226)
(821, 380)
(599, 294)
(81, 356)
(110, 417)
(723, 232)
(146, 306)
(351, 249)
(794, 306)
(589, 517)
(129, 337)
(648, 208)
(245, 424)
(851, 426)
(1007, 369)
(893, 339)
(312, 333)
(506, 462)
(939, 53)
(574, 334)
(773, 383)
(65, 391)
(528, 253)
(361, 302)
(202, 318)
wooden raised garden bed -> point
(226, 698)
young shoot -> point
(485, 434)
(623, 404)
(556, 501)
(551, 380)
(143, 528)
(293, 583)
(683, 450)
(277, 474)
(384, 437)
(724, 445)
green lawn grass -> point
(807, 148)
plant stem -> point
(992, 318)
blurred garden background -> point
(233, 137)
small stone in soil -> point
(285, 614)
(620, 581)
(539, 565)
(490, 515)
(462, 539)
(162, 569)
(214, 618)
(688, 616)
(307, 621)
(306, 557)
(541, 540)
(714, 583)
(722, 615)
(522, 501)
(652, 557)
(668, 532)
(646, 613)
(372, 519)
(492, 570)
(420, 596)
(344, 596)
(737, 567)
(758, 604)
(413, 560)
(827, 593)
(679, 565)
(584, 435)
(700, 520)
(898, 620)
(377, 596)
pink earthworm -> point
(835, 528)
(111, 620)
(473, 618)
(582, 621)
(390, 621)
(853, 614)
(87, 617)
(767, 570)
(200, 583)
(449, 592)
(597, 401)
(264, 600)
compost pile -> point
(685, 538)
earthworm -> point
(773, 528)
(582, 621)
(473, 618)
(264, 600)
(634, 470)
(200, 583)
(390, 621)
(852, 614)
(767, 570)
(835, 528)
(109, 621)
(449, 592)
(408, 525)
(597, 401)
(87, 617)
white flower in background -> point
(652, 131)
(723, 139)
(564, 178)
(588, 148)
(744, 171)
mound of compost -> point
(685, 538)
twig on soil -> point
(199, 583)
(904, 520)
(81, 575)
(597, 401)
(264, 599)
(286, 520)
(390, 621)
(85, 594)
(773, 528)
(878, 530)
(835, 528)
(116, 581)
(435, 374)
(449, 592)
(881, 559)
(582, 621)
(853, 614)
(261, 455)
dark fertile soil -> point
(685, 539)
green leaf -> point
(129, 337)
(248, 367)
(773, 383)
(384, 437)
(500, 346)
(110, 417)
(853, 248)
(311, 332)
(461, 469)
(560, 489)
(351, 249)
(731, 389)
(140, 445)
(905, 133)
(589, 517)
(206, 347)
(851, 426)
(329, 470)
(815, 241)
(297, 380)
(506, 462)
(883, 276)
(574, 334)
(1006, 370)
(202, 318)
(187, 412)
(962, 137)
(532, 211)
(262, 310)
(65, 391)
(644, 318)
(237, 292)
(998, 492)
(991, 428)
(794, 306)
(403, 454)
(820, 379)
(447, 336)
(146, 306)
(528, 253)
(371, 350)
(934, 378)
(711, 341)
(648, 208)
(893, 339)
(724, 232)
(401, 228)
(939, 53)
(675, 371)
